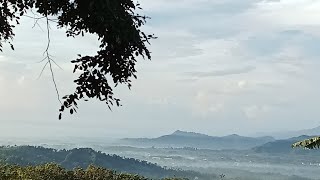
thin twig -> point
(36, 23)
(48, 38)
(42, 17)
(42, 60)
(43, 69)
(56, 64)
(46, 52)
(36, 19)
(49, 59)
(54, 81)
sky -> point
(218, 67)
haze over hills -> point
(283, 146)
(83, 157)
(285, 135)
(180, 139)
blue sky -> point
(219, 67)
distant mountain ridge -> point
(180, 139)
(285, 135)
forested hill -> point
(83, 157)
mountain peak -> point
(233, 135)
(178, 132)
(189, 134)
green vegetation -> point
(311, 143)
(25, 156)
(55, 172)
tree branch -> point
(50, 60)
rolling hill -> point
(83, 157)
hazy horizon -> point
(218, 68)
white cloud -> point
(242, 84)
(225, 72)
(187, 6)
(21, 80)
(204, 104)
(247, 57)
(256, 112)
(289, 12)
(2, 58)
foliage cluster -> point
(117, 26)
(53, 171)
(311, 143)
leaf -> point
(60, 116)
(71, 111)
(11, 46)
(75, 68)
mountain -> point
(288, 134)
(188, 134)
(180, 139)
(283, 146)
(83, 157)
